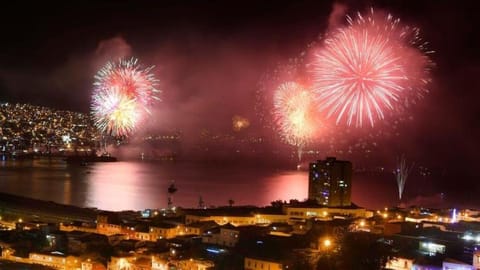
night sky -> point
(209, 54)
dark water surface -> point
(139, 185)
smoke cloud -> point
(111, 50)
(337, 16)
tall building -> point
(330, 182)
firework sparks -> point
(123, 93)
(293, 69)
(115, 113)
(401, 174)
(295, 114)
(332, 140)
(371, 67)
(239, 123)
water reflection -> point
(46, 179)
(136, 185)
(121, 186)
(140, 185)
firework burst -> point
(123, 93)
(371, 67)
(292, 69)
(295, 114)
(115, 113)
(239, 123)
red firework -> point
(371, 67)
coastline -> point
(49, 211)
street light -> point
(327, 243)
(327, 246)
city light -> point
(29, 129)
(471, 237)
(123, 264)
(327, 243)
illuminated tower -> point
(329, 182)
